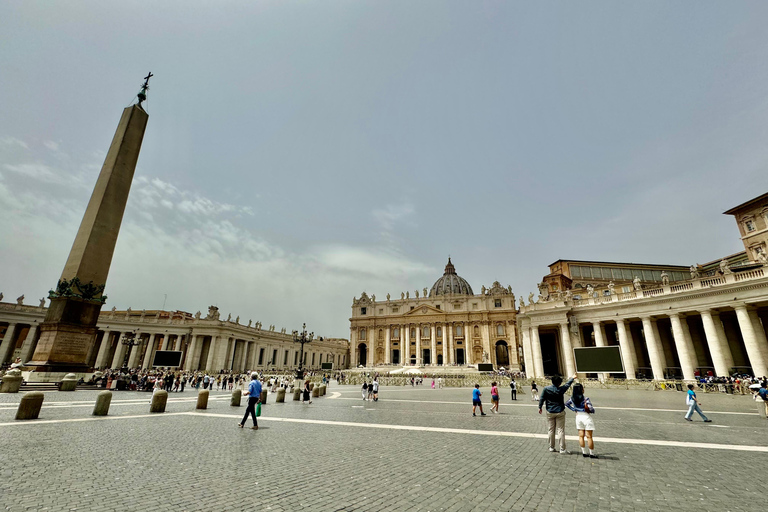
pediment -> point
(424, 309)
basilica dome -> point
(450, 283)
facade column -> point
(762, 342)
(7, 345)
(388, 346)
(28, 347)
(117, 360)
(627, 350)
(565, 345)
(133, 358)
(448, 349)
(485, 335)
(352, 347)
(717, 343)
(106, 342)
(405, 354)
(538, 362)
(418, 344)
(467, 345)
(754, 351)
(150, 349)
(599, 342)
(433, 345)
(189, 362)
(527, 353)
(211, 353)
(655, 352)
(684, 346)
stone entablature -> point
(235, 346)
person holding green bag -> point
(254, 397)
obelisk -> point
(69, 328)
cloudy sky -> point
(298, 153)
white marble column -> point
(133, 358)
(148, 353)
(684, 345)
(28, 347)
(762, 342)
(599, 342)
(536, 349)
(388, 346)
(485, 336)
(101, 357)
(189, 361)
(418, 345)
(717, 343)
(530, 369)
(117, 360)
(565, 346)
(371, 345)
(7, 346)
(352, 347)
(405, 346)
(627, 350)
(448, 344)
(749, 335)
(467, 345)
(655, 352)
(215, 342)
(433, 345)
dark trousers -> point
(251, 409)
(514, 394)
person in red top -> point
(494, 398)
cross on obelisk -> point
(144, 88)
(69, 330)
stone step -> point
(39, 386)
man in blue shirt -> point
(254, 396)
(476, 394)
(553, 396)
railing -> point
(681, 287)
(715, 281)
(654, 292)
(750, 274)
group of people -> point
(371, 390)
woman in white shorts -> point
(582, 406)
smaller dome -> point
(450, 283)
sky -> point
(300, 153)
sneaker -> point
(564, 452)
(240, 425)
(551, 449)
(483, 414)
(585, 455)
(707, 421)
(687, 419)
(473, 414)
(255, 427)
(593, 456)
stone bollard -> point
(263, 397)
(311, 386)
(29, 407)
(102, 403)
(315, 391)
(202, 400)
(159, 399)
(280, 396)
(235, 400)
(11, 382)
(68, 383)
(296, 395)
(322, 390)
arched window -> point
(413, 333)
(458, 330)
(500, 330)
(425, 331)
(439, 332)
(381, 334)
(362, 334)
(395, 332)
(477, 331)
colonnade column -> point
(352, 348)
(191, 349)
(538, 362)
(388, 345)
(565, 342)
(7, 345)
(433, 344)
(28, 347)
(754, 351)
(655, 353)
(684, 345)
(133, 358)
(718, 345)
(599, 342)
(211, 353)
(627, 350)
(106, 342)
(527, 353)
(148, 352)
(418, 345)
(117, 359)
(762, 342)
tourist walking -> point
(365, 390)
(582, 406)
(254, 397)
(534, 391)
(433, 383)
(476, 394)
(513, 387)
(494, 398)
(693, 405)
(763, 393)
(553, 397)
(305, 395)
(375, 386)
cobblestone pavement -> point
(414, 449)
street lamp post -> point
(129, 340)
(303, 338)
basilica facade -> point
(445, 325)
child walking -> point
(582, 406)
(476, 394)
(494, 398)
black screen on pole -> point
(484, 367)
(598, 359)
(167, 358)
(326, 366)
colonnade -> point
(668, 344)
